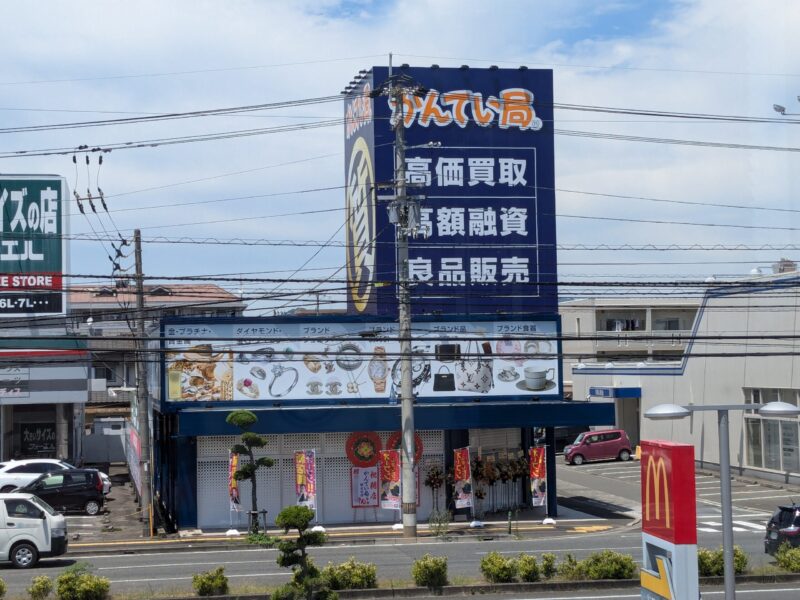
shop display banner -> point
(233, 483)
(364, 487)
(390, 479)
(305, 479)
(462, 476)
(538, 474)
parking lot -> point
(753, 500)
(119, 518)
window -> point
(593, 439)
(53, 481)
(789, 450)
(22, 509)
(772, 444)
(609, 437)
(754, 458)
(33, 468)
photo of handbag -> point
(474, 373)
(448, 352)
(444, 382)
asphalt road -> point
(159, 571)
(753, 502)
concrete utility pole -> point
(404, 214)
(142, 398)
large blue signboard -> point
(479, 154)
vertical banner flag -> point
(233, 483)
(462, 476)
(390, 479)
(364, 487)
(305, 478)
(538, 474)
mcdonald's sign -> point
(668, 492)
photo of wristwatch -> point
(378, 369)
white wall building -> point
(742, 347)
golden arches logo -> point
(656, 468)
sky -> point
(83, 60)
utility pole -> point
(404, 213)
(142, 397)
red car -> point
(607, 444)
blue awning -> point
(615, 392)
(211, 421)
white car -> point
(18, 473)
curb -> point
(503, 588)
(191, 544)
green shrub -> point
(3, 589)
(439, 522)
(351, 575)
(287, 591)
(210, 583)
(498, 569)
(788, 558)
(430, 571)
(711, 563)
(41, 587)
(571, 569)
(549, 565)
(527, 568)
(608, 564)
(76, 583)
(261, 539)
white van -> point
(29, 530)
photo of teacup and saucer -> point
(536, 379)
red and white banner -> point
(364, 487)
(462, 476)
(538, 475)
(390, 479)
(305, 479)
(233, 483)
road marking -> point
(751, 525)
(591, 528)
(708, 530)
(483, 553)
(629, 477)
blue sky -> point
(89, 59)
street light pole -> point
(726, 504)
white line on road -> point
(566, 550)
(708, 530)
(150, 579)
(705, 593)
(751, 525)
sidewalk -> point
(526, 523)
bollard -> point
(509, 522)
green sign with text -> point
(32, 247)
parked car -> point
(18, 473)
(783, 526)
(70, 490)
(564, 436)
(29, 530)
(598, 445)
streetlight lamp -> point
(771, 409)
(781, 110)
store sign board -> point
(332, 362)
(480, 156)
(33, 248)
(669, 521)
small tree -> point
(292, 554)
(244, 420)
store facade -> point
(331, 387)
